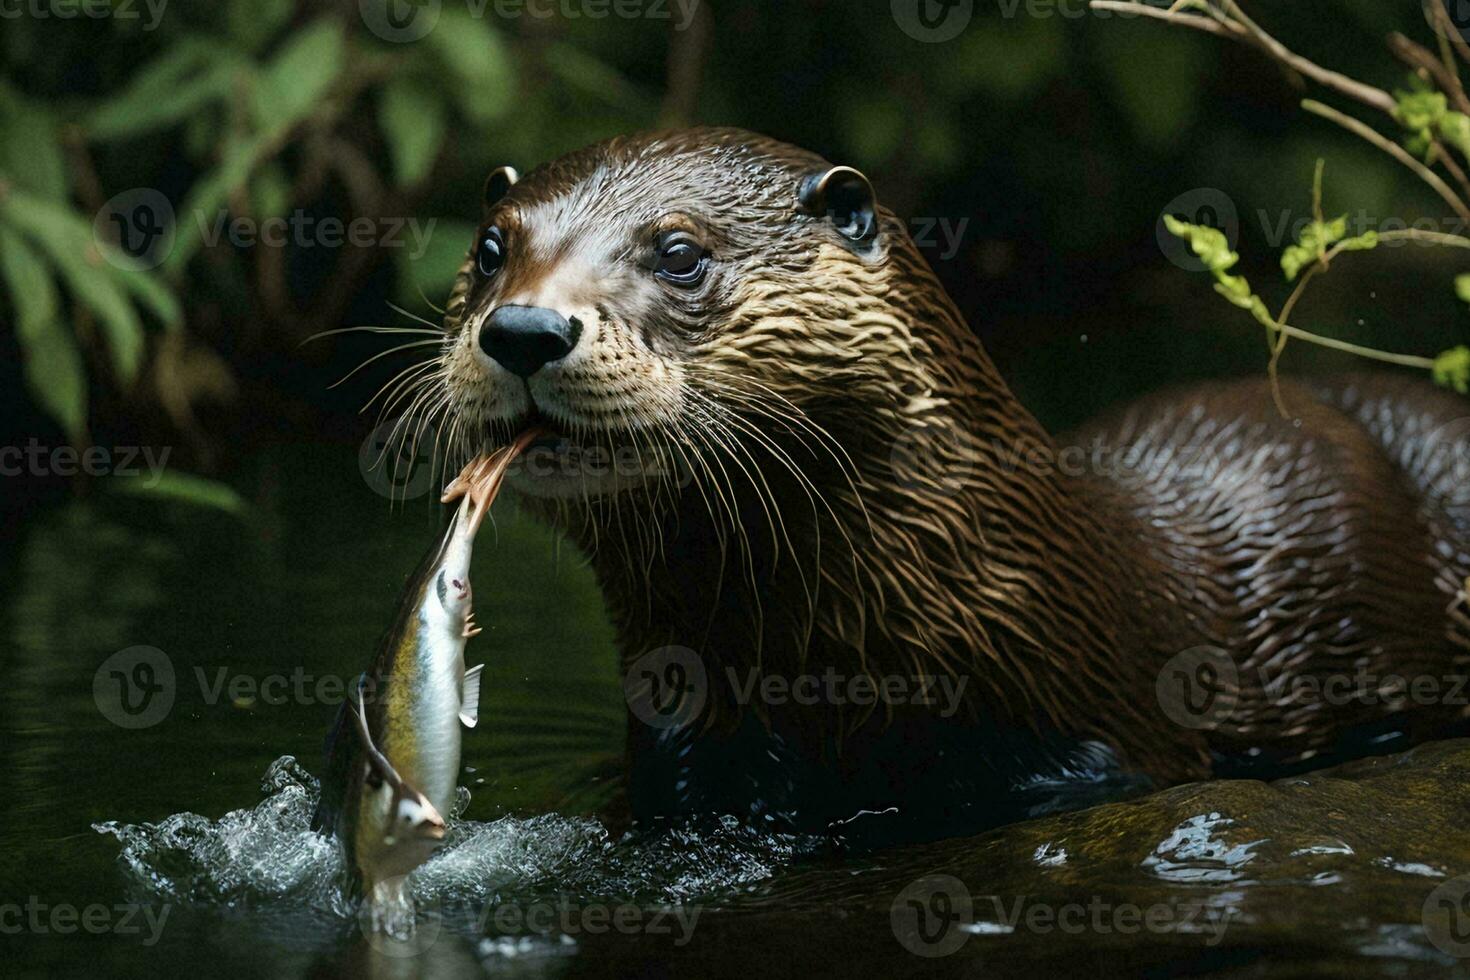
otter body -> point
(823, 477)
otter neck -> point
(955, 536)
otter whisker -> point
(407, 377)
(369, 329)
(795, 415)
(418, 319)
(382, 354)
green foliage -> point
(186, 488)
(413, 120)
(53, 366)
(1452, 369)
(1426, 115)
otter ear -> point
(498, 183)
(844, 195)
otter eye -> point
(490, 255)
(681, 261)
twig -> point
(688, 50)
(1416, 55)
(1242, 28)
(1442, 155)
(1359, 128)
(1447, 30)
(1196, 21)
(1403, 360)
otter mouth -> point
(558, 464)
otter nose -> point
(522, 338)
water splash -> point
(267, 858)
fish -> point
(393, 753)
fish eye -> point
(489, 253)
(680, 260)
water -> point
(182, 847)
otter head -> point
(667, 301)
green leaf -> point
(412, 117)
(53, 365)
(1312, 244)
(1452, 369)
(1207, 243)
(300, 75)
(270, 192)
(1454, 128)
(1419, 110)
(433, 272)
(476, 58)
(67, 240)
(190, 75)
(596, 78)
(186, 487)
(252, 25)
(30, 151)
(205, 206)
(150, 291)
(1462, 286)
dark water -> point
(181, 847)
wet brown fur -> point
(922, 522)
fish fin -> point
(376, 760)
(469, 701)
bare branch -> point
(1234, 24)
(1359, 128)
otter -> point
(834, 492)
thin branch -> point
(1196, 21)
(1416, 55)
(1403, 360)
(688, 51)
(1235, 25)
(1447, 30)
(1361, 129)
(1442, 155)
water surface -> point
(187, 839)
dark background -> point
(1046, 139)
